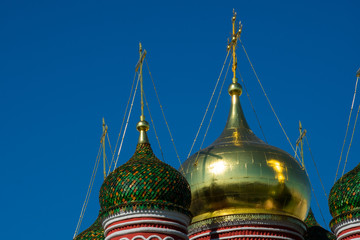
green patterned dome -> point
(145, 182)
(94, 232)
(344, 199)
(310, 220)
(315, 231)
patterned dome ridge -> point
(144, 182)
(310, 220)
(344, 198)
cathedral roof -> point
(240, 174)
(145, 182)
(344, 198)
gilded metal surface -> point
(240, 174)
(143, 126)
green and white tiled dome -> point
(145, 182)
(344, 198)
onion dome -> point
(315, 231)
(94, 232)
(144, 182)
(344, 198)
(240, 174)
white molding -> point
(150, 237)
(256, 236)
(145, 221)
(301, 229)
(147, 229)
(348, 234)
(182, 218)
(248, 228)
(346, 225)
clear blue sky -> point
(66, 64)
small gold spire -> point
(358, 73)
(233, 43)
(142, 126)
(103, 144)
(236, 117)
(301, 141)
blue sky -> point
(66, 64)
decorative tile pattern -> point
(144, 182)
(94, 232)
(310, 220)
(344, 198)
(246, 219)
(344, 217)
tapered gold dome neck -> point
(236, 119)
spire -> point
(232, 45)
(142, 126)
(236, 117)
(300, 141)
(103, 144)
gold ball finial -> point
(143, 126)
(235, 89)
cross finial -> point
(142, 126)
(139, 67)
(233, 43)
(103, 144)
(301, 142)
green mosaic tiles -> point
(310, 220)
(94, 232)
(344, 198)
(144, 182)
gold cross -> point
(233, 43)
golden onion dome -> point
(240, 174)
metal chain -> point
(312, 189)
(267, 98)
(153, 125)
(352, 136)
(312, 157)
(252, 106)
(93, 175)
(162, 111)
(122, 124)
(207, 108)
(317, 202)
(217, 100)
(127, 122)
(347, 129)
(107, 134)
